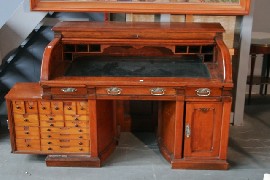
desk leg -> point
(253, 59)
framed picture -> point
(211, 7)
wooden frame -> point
(217, 8)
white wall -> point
(261, 16)
(18, 26)
(7, 8)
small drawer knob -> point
(49, 149)
(80, 137)
(82, 108)
(51, 125)
(30, 107)
(69, 108)
(43, 108)
(50, 118)
(80, 143)
(56, 108)
(49, 142)
(81, 149)
(80, 130)
(28, 145)
(26, 132)
(76, 125)
(48, 129)
(49, 136)
(18, 107)
(25, 120)
(76, 119)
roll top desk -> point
(88, 66)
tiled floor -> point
(137, 156)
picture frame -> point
(193, 7)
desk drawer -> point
(26, 119)
(203, 92)
(27, 132)
(69, 90)
(64, 130)
(65, 149)
(77, 117)
(51, 117)
(52, 123)
(64, 142)
(28, 144)
(61, 136)
(145, 91)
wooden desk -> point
(88, 66)
(259, 46)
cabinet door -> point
(202, 129)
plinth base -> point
(72, 161)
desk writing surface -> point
(181, 66)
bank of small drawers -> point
(52, 126)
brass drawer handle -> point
(68, 90)
(203, 92)
(157, 91)
(114, 91)
(188, 131)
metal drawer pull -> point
(157, 91)
(68, 90)
(114, 91)
(203, 92)
(188, 131)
